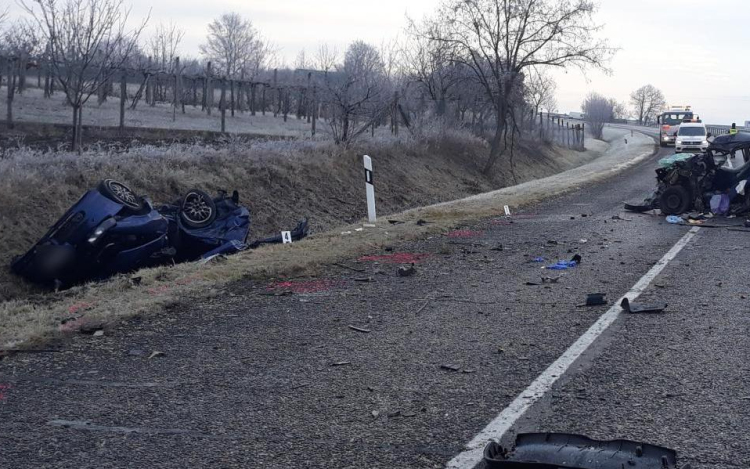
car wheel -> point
(198, 209)
(674, 200)
(121, 194)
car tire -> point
(197, 209)
(121, 194)
(675, 200)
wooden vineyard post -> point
(308, 103)
(263, 101)
(223, 105)
(176, 96)
(231, 96)
(149, 85)
(123, 98)
(209, 94)
(314, 110)
(395, 113)
(277, 109)
(11, 86)
(583, 136)
(286, 104)
(241, 85)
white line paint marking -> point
(543, 383)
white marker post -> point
(286, 237)
(507, 210)
(370, 190)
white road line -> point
(542, 384)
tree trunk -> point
(75, 128)
(11, 83)
(495, 144)
(345, 128)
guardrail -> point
(724, 129)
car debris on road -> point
(629, 307)
(113, 230)
(558, 450)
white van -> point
(692, 136)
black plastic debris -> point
(577, 259)
(639, 308)
(406, 270)
(301, 231)
(568, 451)
(596, 299)
(640, 208)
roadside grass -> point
(34, 319)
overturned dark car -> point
(701, 182)
(112, 230)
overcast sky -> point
(695, 51)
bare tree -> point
(326, 58)
(500, 40)
(88, 40)
(22, 41)
(599, 111)
(356, 92)
(235, 46)
(390, 54)
(540, 92)
(428, 61)
(164, 45)
(619, 110)
(647, 101)
(302, 62)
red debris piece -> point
(464, 234)
(72, 309)
(3, 389)
(306, 286)
(396, 258)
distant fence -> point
(559, 130)
(295, 94)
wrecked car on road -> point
(113, 230)
(703, 182)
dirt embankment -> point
(281, 181)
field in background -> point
(31, 106)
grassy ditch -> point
(281, 181)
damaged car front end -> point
(702, 182)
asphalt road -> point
(257, 378)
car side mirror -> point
(709, 135)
